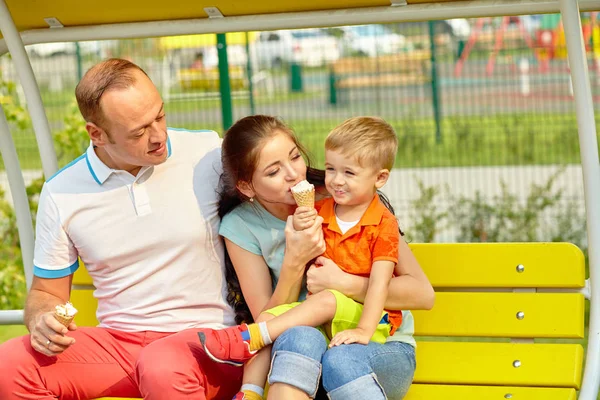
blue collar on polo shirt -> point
(100, 171)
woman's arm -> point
(408, 290)
(255, 280)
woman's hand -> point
(304, 217)
(303, 246)
(324, 274)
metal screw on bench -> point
(520, 268)
(508, 396)
(520, 315)
(516, 363)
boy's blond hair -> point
(371, 140)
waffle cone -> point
(64, 320)
(305, 198)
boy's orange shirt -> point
(374, 238)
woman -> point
(262, 160)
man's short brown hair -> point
(114, 73)
(371, 140)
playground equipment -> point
(497, 275)
(547, 42)
(498, 42)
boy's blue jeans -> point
(375, 371)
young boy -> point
(362, 237)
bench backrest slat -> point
(550, 365)
(494, 265)
(545, 315)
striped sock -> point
(264, 332)
(256, 340)
(259, 336)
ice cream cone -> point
(305, 198)
(65, 313)
(304, 194)
(64, 320)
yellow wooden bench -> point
(383, 71)
(508, 321)
(208, 79)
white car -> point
(308, 47)
(62, 48)
(372, 40)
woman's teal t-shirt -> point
(256, 230)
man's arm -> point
(39, 318)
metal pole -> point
(224, 85)
(19, 196)
(31, 89)
(79, 66)
(249, 74)
(435, 97)
(588, 145)
(11, 317)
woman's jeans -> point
(375, 371)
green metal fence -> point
(480, 106)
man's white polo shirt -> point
(150, 242)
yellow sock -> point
(251, 395)
(256, 340)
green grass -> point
(10, 331)
(526, 139)
(514, 139)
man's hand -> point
(304, 217)
(357, 335)
(48, 336)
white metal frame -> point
(588, 145)
(569, 9)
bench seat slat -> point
(494, 265)
(445, 392)
(546, 315)
(468, 363)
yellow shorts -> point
(347, 316)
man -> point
(139, 208)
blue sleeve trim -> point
(58, 273)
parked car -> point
(308, 47)
(372, 40)
(68, 48)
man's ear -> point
(382, 178)
(97, 135)
(246, 189)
